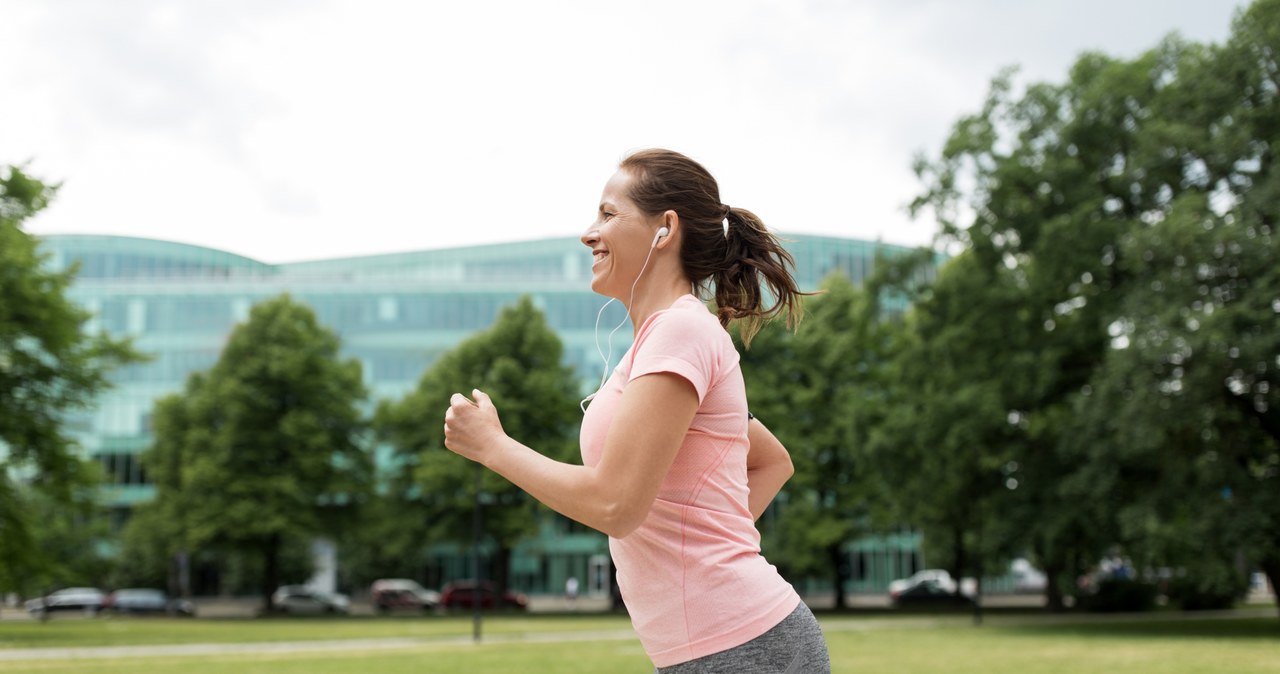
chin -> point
(600, 286)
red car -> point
(464, 593)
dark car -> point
(87, 600)
(137, 600)
(465, 593)
(389, 594)
(929, 594)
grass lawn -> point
(67, 632)
(911, 645)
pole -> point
(475, 558)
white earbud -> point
(662, 231)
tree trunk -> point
(502, 571)
(1052, 586)
(270, 571)
(958, 557)
(1271, 569)
(840, 573)
(977, 594)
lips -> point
(597, 256)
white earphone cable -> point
(604, 375)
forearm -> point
(768, 467)
(615, 493)
(764, 484)
(574, 491)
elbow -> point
(619, 519)
(779, 467)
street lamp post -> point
(475, 558)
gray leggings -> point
(793, 646)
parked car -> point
(401, 593)
(87, 600)
(940, 577)
(1026, 578)
(145, 600)
(302, 600)
(465, 593)
(930, 593)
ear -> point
(670, 220)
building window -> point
(388, 309)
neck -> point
(650, 300)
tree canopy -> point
(50, 367)
(517, 362)
(267, 445)
(1119, 260)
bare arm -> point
(768, 467)
(615, 495)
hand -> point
(472, 429)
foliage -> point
(388, 543)
(820, 391)
(945, 443)
(69, 538)
(517, 362)
(1119, 246)
(50, 367)
(1121, 595)
(265, 447)
(146, 553)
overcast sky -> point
(290, 130)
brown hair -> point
(738, 261)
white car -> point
(939, 577)
(1026, 578)
(87, 600)
(300, 599)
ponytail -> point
(755, 261)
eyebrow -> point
(607, 205)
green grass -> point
(911, 645)
(77, 632)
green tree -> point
(50, 366)
(821, 391)
(1188, 395)
(517, 362)
(806, 387)
(944, 443)
(265, 447)
(1082, 200)
(387, 541)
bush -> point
(1120, 594)
(1207, 592)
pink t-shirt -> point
(692, 575)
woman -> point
(675, 468)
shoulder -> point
(688, 320)
(686, 330)
(686, 340)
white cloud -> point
(294, 130)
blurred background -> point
(249, 249)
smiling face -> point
(620, 239)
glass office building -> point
(396, 313)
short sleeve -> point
(681, 342)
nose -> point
(591, 236)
